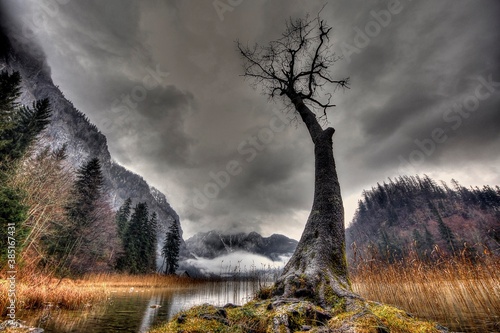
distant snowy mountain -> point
(214, 244)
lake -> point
(139, 309)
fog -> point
(236, 263)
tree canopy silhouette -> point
(296, 68)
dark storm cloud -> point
(407, 76)
(407, 106)
(157, 124)
(414, 71)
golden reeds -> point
(38, 291)
(459, 293)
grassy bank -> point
(461, 294)
(262, 316)
(458, 293)
(36, 292)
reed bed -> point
(60, 295)
(459, 293)
(137, 281)
(35, 292)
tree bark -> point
(318, 269)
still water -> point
(138, 310)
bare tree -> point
(296, 69)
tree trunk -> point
(318, 269)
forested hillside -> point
(418, 214)
(63, 224)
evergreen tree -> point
(444, 231)
(19, 128)
(170, 250)
(429, 239)
(87, 192)
(123, 217)
(151, 242)
(9, 93)
(83, 214)
(418, 240)
(29, 122)
(388, 248)
(423, 244)
(136, 259)
(139, 239)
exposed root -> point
(288, 315)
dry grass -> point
(137, 281)
(457, 293)
(64, 295)
(35, 292)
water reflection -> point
(140, 309)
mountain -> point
(71, 127)
(214, 244)
(416, 214)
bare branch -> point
(296, 65)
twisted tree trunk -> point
(318, 269)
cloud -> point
(236, 263)
(407, 77)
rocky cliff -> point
(71, 127)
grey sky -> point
(420, 95)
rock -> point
(181, 319)
(280, 323)
(222, 313)
(231, 306)
(36, 330)
(20, 325)
(215, 317)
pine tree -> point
(87, 191)
(151, 242)
(9, 93)
(135, 255)
(19, 128)
(170, 250)
(419, 240)
(444, 231)
(429, 239)
(139, 239)
(29, 123)
(123, 217)
(83, 214)
(388, 248)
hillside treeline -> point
(418, 215)
(56, 219)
